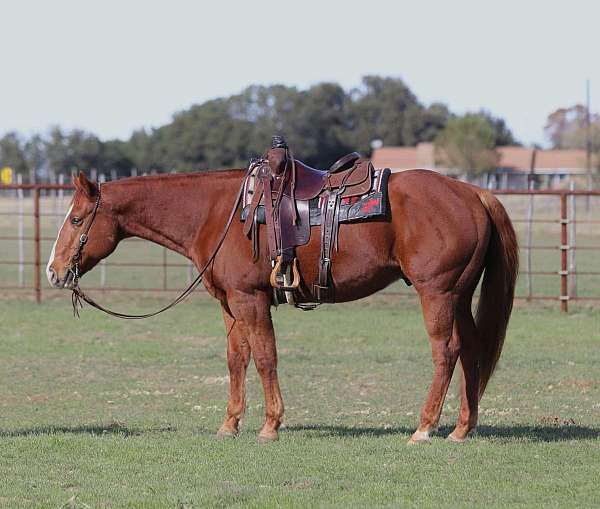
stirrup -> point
(276, 272)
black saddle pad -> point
(353, 209)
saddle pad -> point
(356, 208)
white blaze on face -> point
(51, 260)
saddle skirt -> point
(370, 205)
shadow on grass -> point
(94, 429)
(324, 430)
(545, 433)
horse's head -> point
(88, 234)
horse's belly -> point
(362, 265)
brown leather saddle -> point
(285, 186)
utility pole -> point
(588, 135)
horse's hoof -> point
(266, 437)
(420, 437)
(225, 433)
(457, 439)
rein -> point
(78, 294)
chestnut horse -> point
(441, 234)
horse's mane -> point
(225, 173)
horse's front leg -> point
(238, 356)
(253, 313)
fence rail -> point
(567, 246)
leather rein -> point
(78, 294)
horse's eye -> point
(76, 221)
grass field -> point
(98, 412)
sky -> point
(111, 67)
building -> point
(551, 168)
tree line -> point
(321, 123)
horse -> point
(442, 235)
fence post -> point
(529, 241)
(55, 207)
(37, 284)
(564, 247)
(572, 243)
(21, 234)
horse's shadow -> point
(533, 433)
(92, 429)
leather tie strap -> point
(330, 212)
(270, 219)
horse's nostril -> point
(53, 276)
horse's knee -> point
(236, 360)
(266, 365)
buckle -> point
(321, 293)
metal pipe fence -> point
(56, 205)
(562, 214)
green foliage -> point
(114, 156)
(384, 109)
(503, 135)
(12, 153)
(566, 128)
(468, 143)
(321, 123)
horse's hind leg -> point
(438, 311)
(253, 313)
(469, 391)
(238, 356)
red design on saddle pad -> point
(350, 200)
(370, 205)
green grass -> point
(98, 412)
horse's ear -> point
(89, 188)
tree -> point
(35, 154)
(468, 143)
(321, 123)
(84, 150)
(567, 128)
(57, 152)
(12, 153)
(384, 109)
(433, 119)
(139, 150)
(114, 156)
(503, 135)
(318, 126)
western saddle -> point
(285, 186)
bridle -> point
(78, 295)
(73, 268)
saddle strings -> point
(78, 294)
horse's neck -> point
(169, 211)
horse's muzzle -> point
(68, 281)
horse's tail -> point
(498, 287)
